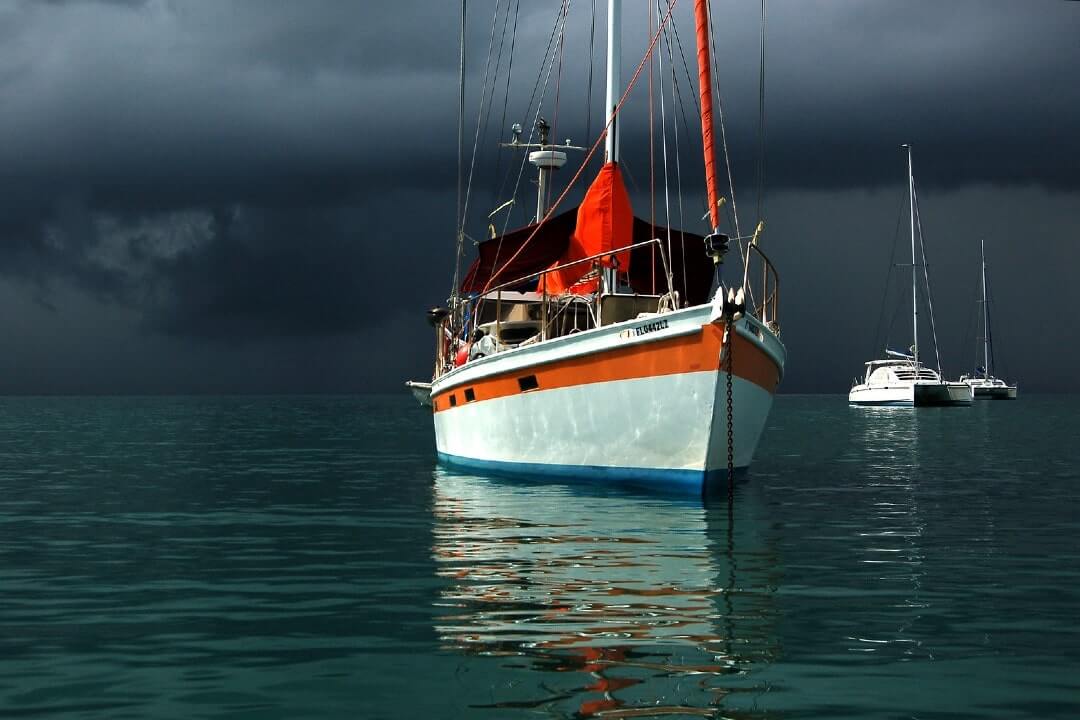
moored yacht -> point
(574, 349)
(988, 387)
(982, 382)
(902, 379)
(906, 382)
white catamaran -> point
(573, 349)
(901, 379)
(982, 381)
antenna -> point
(544, 158)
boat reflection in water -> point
(587, 605)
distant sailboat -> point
(982, 382)
(901, 379)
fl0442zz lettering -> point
(650, 327)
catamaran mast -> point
(986, 314)
(914, 275)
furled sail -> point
(701, 19)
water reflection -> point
(889, 540)
(590, 605)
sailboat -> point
(982, 381)
(573, 350)
(901, 378)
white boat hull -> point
(642, 402)
(917, 394)
(992, 390)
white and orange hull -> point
(641, 402)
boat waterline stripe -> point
(696, 352)
(883, 403)
(669, 479)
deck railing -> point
(766, 296)
(541, 278)
(591, 258)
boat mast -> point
(701, 22)
(914, 275)
(459, 230)
(986, 314)
(614, 61)
(611, 101)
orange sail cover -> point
(605, 221)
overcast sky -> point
(259, 195)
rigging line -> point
(682, 102)
(761, 120)
(498, 66)
(532, 130)
(558, 86)
(592, 51)
(990, 329)
(678, 163)
(628, 171)
(506, 98)
(652, 158)
(900, 302)
(686, 68)
(459, 224)
(723, 134)
(888, 279)
(652, 133)
(663, 130)
(479, 116)
(592, 150)
(528, 111)
(744, 254)
(552, 48)
(926, 276)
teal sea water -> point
(304, 558)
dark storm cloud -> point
(42, 247)
(152, 123)
(254, 169)
(285, 273)
(200, 102)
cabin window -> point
(453, 400)
(527, 383)
(469, 395)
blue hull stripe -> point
(670, 480)
(908, 403)
(883, 403)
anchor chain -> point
(729, 320)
